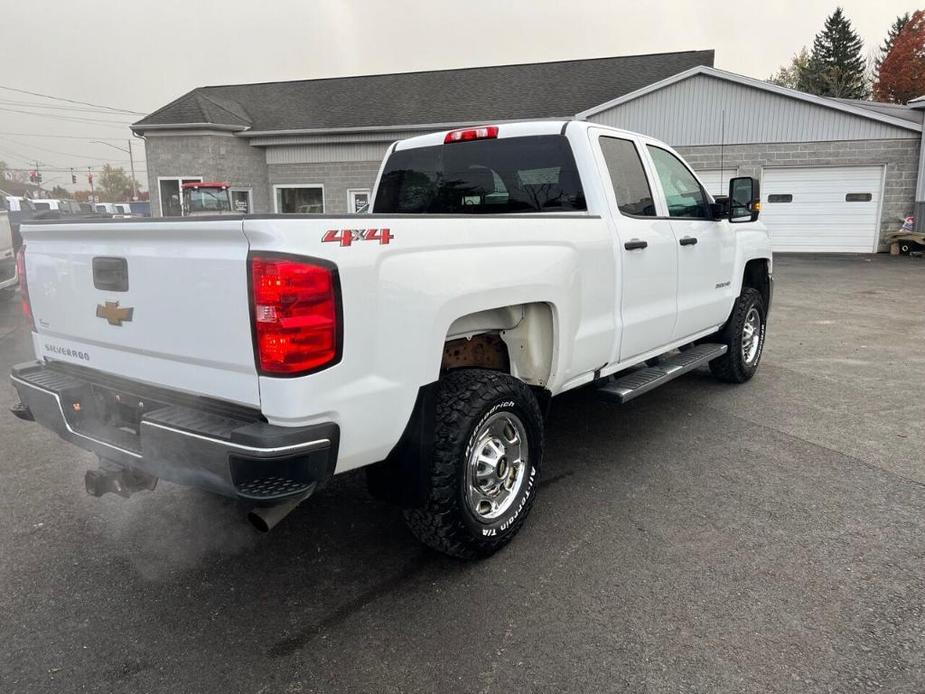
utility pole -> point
(92, 193)
(131, 159)
(38, 181)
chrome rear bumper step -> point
(625, 388)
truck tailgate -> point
(179, 320)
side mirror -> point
(744, 199)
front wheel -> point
(488, 444)
(743, 334)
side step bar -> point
(635, 383)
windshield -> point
(206, 200)
(517, 174)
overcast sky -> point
(140, 55)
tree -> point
(836, 65)
(59, 192)
(114, 185)
(902, 73)
(789, 75)
(888, 42)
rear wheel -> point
(488, 443)
(743, 334)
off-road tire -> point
(465, 400)
(732, 367)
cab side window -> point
(683, 193)
(630, 185)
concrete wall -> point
(215, 157)
(337, 179)
(901, 158)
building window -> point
(299, 198)
(357, 201)
(241, 200)
(780, 197)
(168, 188)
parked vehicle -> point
(123, 208)
(46, 204)
(500, 266)
(104, 208)
(8, 276)
(140, 208)
(206, 198)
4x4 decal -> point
(346, 237)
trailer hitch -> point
(118, 480)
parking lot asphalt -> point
(768, 537)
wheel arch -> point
(757, 275)
(519, 339)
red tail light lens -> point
(296, 314)
(486, 132)
(23, 286)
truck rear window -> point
(515, 174)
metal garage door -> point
(821, 210)
(716, 181)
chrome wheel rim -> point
(751, 336)
(497, 466)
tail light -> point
(23, 286)
(297, 322)
(486, 132)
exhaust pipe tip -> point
(22, 412)
(265, 518)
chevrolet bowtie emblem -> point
(111, 312)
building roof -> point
(496, 93)
(867, 110)
(897, 110)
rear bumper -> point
(178, 438)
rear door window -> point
(630, 185)
(497, 176)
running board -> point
(635, 383)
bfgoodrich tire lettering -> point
(475, 407)
(744, 335)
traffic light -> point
(33, 177)
(73, 176)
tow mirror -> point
(744, 199)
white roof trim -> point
(755, 84)
(136, 128)
(426, 127)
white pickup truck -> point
(500, 266)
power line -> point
(73, 119)
(65, 137)
(73, 101)
(55, 151)
(56, 107)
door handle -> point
(635, 244)
(688, 241)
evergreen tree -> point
(836, 66)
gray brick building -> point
(836, 175)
